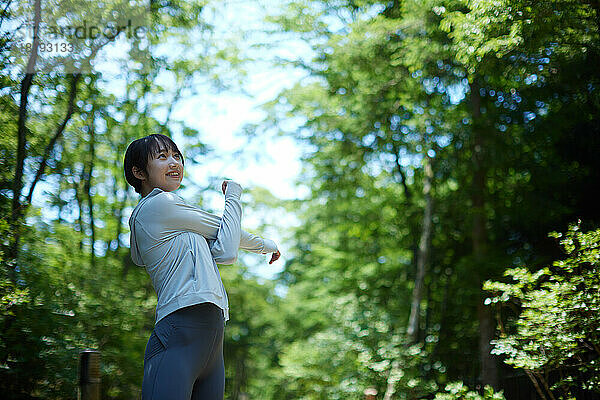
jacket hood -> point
(135, 252)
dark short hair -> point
(139, 152)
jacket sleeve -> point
(171, 215)
(257, 244)
(225, 247)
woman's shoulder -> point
(157, 194)
(156, 199)
(164, 196)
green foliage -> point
(322, 367)
(73, 306)
(557, 327)
(11, 294)
(458, 391)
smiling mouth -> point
(173, 174)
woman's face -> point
(164, 171)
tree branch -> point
(543, 380)
(536, 384)
(59, 131)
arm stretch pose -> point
(180, 246)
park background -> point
(430, 170)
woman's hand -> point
(224, 186)
(230, 185)
(275, 257)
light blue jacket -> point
(180, 246)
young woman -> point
(180, 246)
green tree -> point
(480, 87)
(66, 278)
(555, 326)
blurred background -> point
(429, 169)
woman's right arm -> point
(224, 248)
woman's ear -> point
(138, 173)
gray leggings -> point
(184, 356)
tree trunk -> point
(488, 365)
(88, 187)
(488, 368)
(423, 254)
(428, 312)
(407, 191)
(77, 187)
(17, 186)
(117, 213)
(536, 384)
(122, 204)
(422, 259)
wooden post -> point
(89, 375)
